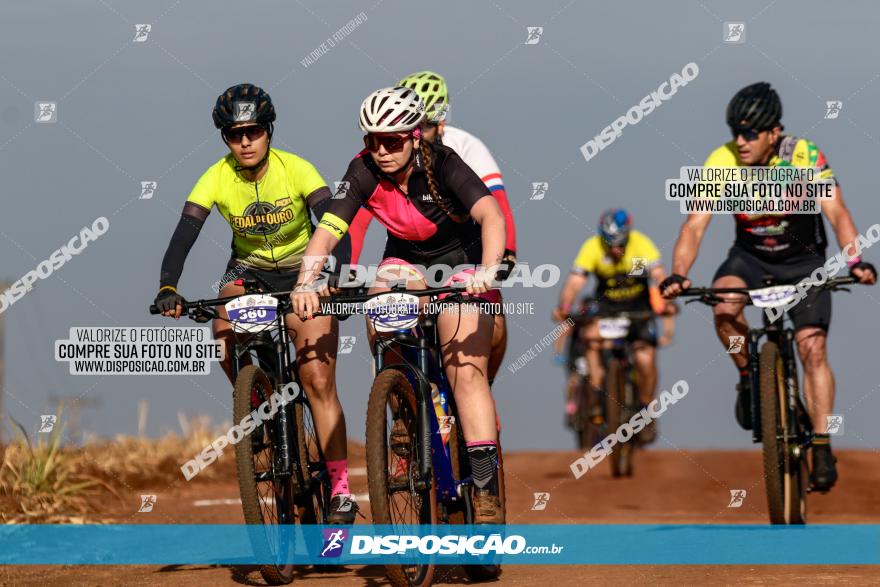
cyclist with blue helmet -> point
(624, 262)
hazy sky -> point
(137, 111)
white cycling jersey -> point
(475, 154)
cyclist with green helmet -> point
(431, 88)
(266, 195)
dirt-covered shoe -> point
(487, 508)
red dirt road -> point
(669, 487)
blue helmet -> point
(614, 226)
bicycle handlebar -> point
(208, 305)
(710, 295)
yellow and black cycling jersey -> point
(270, 221)
(626, 280)
(777, 237)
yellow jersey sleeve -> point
(206, 190)
(306, 176)
(643, 247)
(589, 256)
(724, 156)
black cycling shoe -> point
(744, 404)
(824, 473)
(343, 510)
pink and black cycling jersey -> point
(473, 152)
(418, 229)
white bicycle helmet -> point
(395, 109)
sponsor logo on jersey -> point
(261, 218)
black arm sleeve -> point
(319, 202)
(191, 221)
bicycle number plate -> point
(611, 328)
(391, 312)
(252, 313)
(772, 297)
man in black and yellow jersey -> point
(624, 262)
(788, 247)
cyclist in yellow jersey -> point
(624, 262)
(266, 194)
(788, 247)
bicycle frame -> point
(421, 369)
(271, 347)
(784, 339)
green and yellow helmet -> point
(431, 88)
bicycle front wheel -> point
(616, 409)
(267, 499)
(784, 472)
(393, 452)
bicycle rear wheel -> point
(785, 475)
(621, 457)
(266, 498)
(392, 471)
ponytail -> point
(436, 196)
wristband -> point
(854, 261)
(168, 287)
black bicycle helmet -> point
(755, 107)
(244, 103)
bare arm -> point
(845, 230)
(686, 248)
(838, 215)
(573, 285)
(487, 213)
(320, 246)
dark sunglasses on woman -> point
(253, 132)
(391, 143)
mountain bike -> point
(779, 416)
(618, 401)
(417, 466)
(282, 475)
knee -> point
(467, 378)
(318, 380)
(813, 354)
(726, 313)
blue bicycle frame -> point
(422, 367)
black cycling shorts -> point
(284, 280)
(815, 310)
(639, 330)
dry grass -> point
(40, 480)
(50, 483)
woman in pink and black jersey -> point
(437, 212)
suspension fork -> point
(425, 407)
(284, 427)
(754, 353)
(792, 394)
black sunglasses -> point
(749, 134)
(253, 132)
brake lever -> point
(202, 315)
